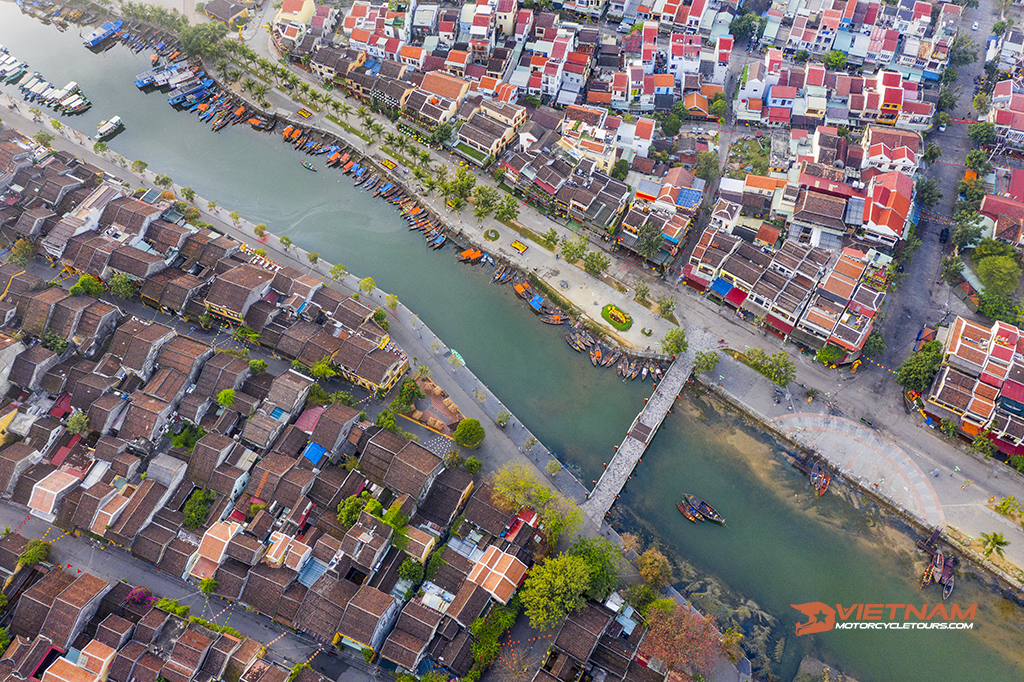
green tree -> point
(391, 301)
(555, 588)
(138, 166)
(22, 252)
(602, 556)
(705, 361)
(57, 344)
(507, 210)
(207, 585)
(707, 166)
(469, 433)
(942, 118)
(927, 192)
(952, 267)
(78, 423)
(654, 568)
(999, 28)
(743, 26)
(948, 428)
(977, 161)
(226, 398)
(100, 147)
(964, 51)
(349, 508)
(386, 420)
(198, 508)
(641, 291)
(163, 181)
(286, 241)
(993, 542)
(472, 465)
(121, 286)
(44, 138)
(835, 60)
(367, 285)
(550, 238)
(486, 200)
(669, 127)
(982, 134)
(203, 40)
(917, 371)
(596, 263)
(830, 354)
(719, 108)
(666, 304)
(674, 342)
(260, 230)
(621, 169)
(322, 369)
(966, 230)
(257, 366)
(574, 251)
(875, 345)
(980, 103)
(801, 56)
(337, 271)
(999, 274)
(949, 76)
(313, 257)
(412, 571)
(948, 98)
(35, 552)
(87, 285)
(188, 194)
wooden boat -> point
(620, 368)
(706, 510)
(947, 571)
(939, 562)
(554, 319)
(633, 371)
(611, 358)
(927, 578)
(643, 372)
(308, 166)
(595, 355)
(947, 589)
(499, 272)
(686, 511)
(571, 340)
(826, 478)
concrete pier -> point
(640, 434)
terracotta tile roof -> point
(364, 611)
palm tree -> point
(993, 542)
(429, 184)
(248, 84)
(424, 157)
(345, 110)
(234, 75)
(377, 129)
(259, 91)
(222, 68)
(315, 96)
(402, 143)
(363, 113)
(304, 88)
(390, 139)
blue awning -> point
(721, 287)
(314, 453)
(537, 302)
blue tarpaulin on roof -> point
(689, 197)
(537, 302)
(721, 287)
(314, 453)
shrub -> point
(473, 465)
(36, 551)
(140, 595)
(411, 570)
(172, 606)
(469, 433)
(198, 507)
(207, 585)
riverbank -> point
(876, 466)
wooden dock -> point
(640, 434)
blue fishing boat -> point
(103, 32)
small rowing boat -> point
(688, 511)
(947, 589)
(706, 510)
(309, 166)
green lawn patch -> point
(750, 153)
(614, 316)
(525, 232)
(492, 235)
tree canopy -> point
(917, 371)
(999, 274)
(469, 433)
(681, 638)
(555, 588)
(927, 193)
(621, 169)
(203, 40)
(87, 285)
(602, 556)
(515, 486)
(835, 60)
(675, 341)
(982, 134)
(707, 166)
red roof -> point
(736, 296)
(784, 327)
(778, 114)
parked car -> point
(975, 26)
(944, 235)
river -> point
(780, 546)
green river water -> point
(781, 546)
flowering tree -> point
(679, 637)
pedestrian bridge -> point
(640, 434)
